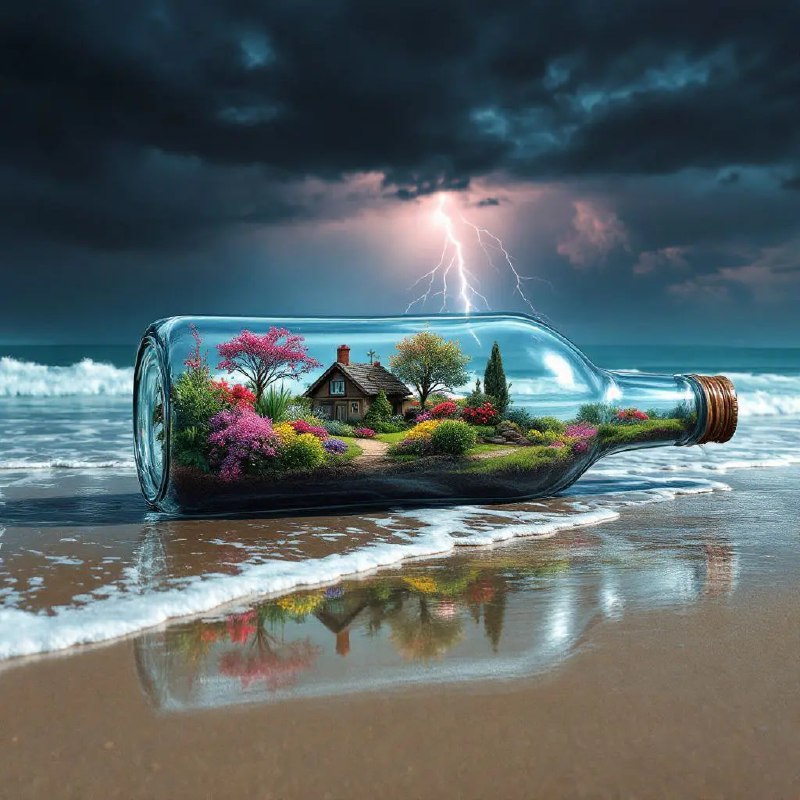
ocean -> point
(82, 558)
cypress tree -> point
(380, 410)
(494, 379)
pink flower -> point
(581, 430)
(239, 438)
(363, 433)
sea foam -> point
(87, 377)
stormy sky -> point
(641, 161)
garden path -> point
(371, 449)
(500, 451)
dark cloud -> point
(430, 95)
(488, 201)
(792, 183)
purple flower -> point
(336, 446)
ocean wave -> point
(87, 377)
(766, 394)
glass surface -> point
(276, 414)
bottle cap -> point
(722, 408)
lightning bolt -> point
(453, 258)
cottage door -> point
(341, 412)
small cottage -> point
(345, 391)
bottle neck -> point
(680, 409)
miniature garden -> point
(251, 429)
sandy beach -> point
(651, 656)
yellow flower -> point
(286, 433)
(299, 605)
(424, 583)
(423, 430)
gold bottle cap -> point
(722, 408)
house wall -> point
(350, 405)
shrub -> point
(285, 431)
(545, 438)
(453, 437)
(444, 410)
(301, 426)
(240, 441)
(364, 433)
(379, 411)
(424, 430)
(411, 447)
(485, 414)
(235, 395)
(274, 403)
(683, 411)
(195, 401)
(389, 427)
(410, 415)
(520, 416)
(423, 416)
(631, 415)
(336, 427)
(485, 431)
(335, 446)
(302, 452)
(596, 413)
(548, 424)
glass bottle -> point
(234, 414)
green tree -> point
(380, 410)
(494, 379)
(430, 363)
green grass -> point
(652, 430)
(488, 448)
(392, 438)
(521, 460)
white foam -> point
(66, 463)
(87, 377)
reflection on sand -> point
(490, 614)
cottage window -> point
(337, 387)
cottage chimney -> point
(376, 363)
(343, 355)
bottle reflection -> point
(496, 613)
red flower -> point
(236, 395)
(631, 414)
(241, 627)
(446, 409)
(484, 414)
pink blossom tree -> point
(276, 355)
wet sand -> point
(704, 703)
(652, 656)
